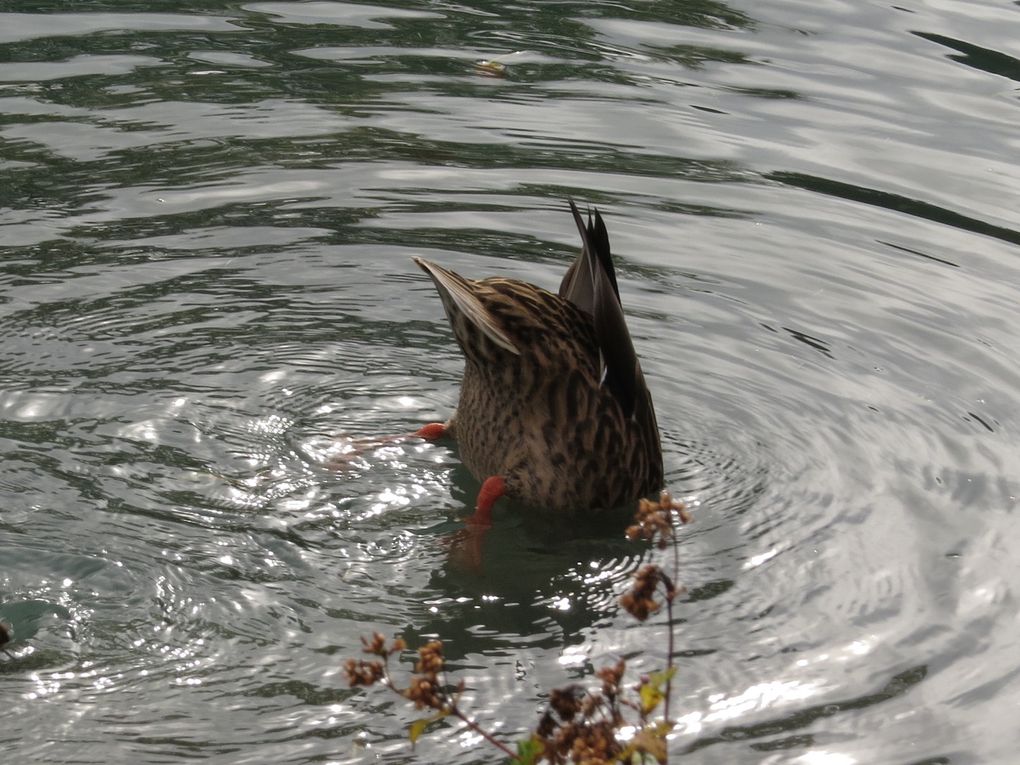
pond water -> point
(207, 220)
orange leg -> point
(358, 446)
(492, 489)
(466, 544)
(431, 432)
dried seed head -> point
(565, 702)
(430, 658)
(398, 645)
(639, 601)
(426, 693)
(654, 521)
(361, 672)
(376, 645)
(611, 677)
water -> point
(207, 224)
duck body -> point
(553, 410)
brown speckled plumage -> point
(553, 399)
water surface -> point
(206, 225)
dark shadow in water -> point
(983, 59)
(812, 342)
(901, 248)
(895, 202)
(987, 427)
(540, 578)
(552, 578)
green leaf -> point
(651, 741)
(654, 690)
(418, 726)
(528, 751)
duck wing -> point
(590, 284)
(462, 304)
(577, 286)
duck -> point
(554, 411)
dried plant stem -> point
(454, 710)
(577, 726)
(472, 725)
(670, 596)
(669, 661)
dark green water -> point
(206, 224)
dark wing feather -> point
(575, 287)
(600, 238)
(590, 283)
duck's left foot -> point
(432, 432)
(352, 449)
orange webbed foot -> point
(351, 449)
(466, 544)
(433, 431)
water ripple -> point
(214, 339)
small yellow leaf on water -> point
(490, 68)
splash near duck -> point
(554, 411)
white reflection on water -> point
(756, 560)
(825, 758)
(758, 696)
(44, 686)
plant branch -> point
(472, 725)
(669, 660)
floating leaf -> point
(490, 68)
